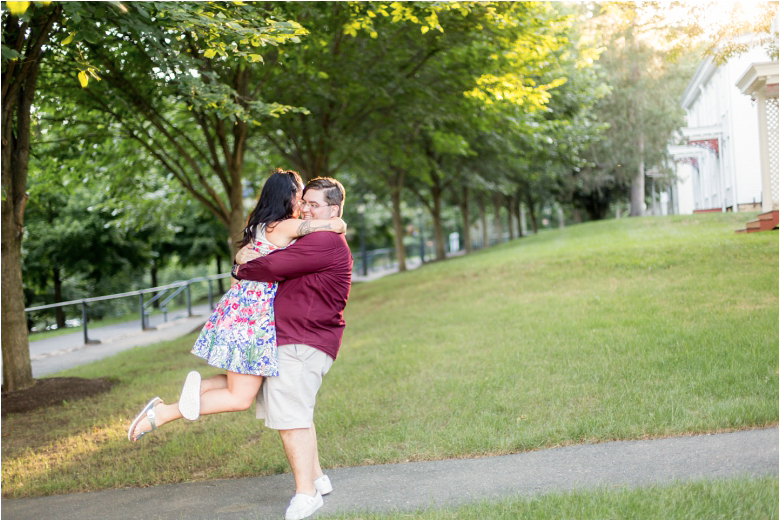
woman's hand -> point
(340, 226)
(246, 254)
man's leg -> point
(317, 469)
(300, 446)
(288, 406)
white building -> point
(720, 169)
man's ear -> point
(334, 211)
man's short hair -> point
(332, 189)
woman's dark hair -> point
(275, 202)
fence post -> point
(211, 296)
(143, 319)
(189, 300)
(84, 324)
(84, 321)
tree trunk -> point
(483, 221)
(638, 182)
(522, 229)
(236, 166)
(19, 81)
(437, 228)
(516, 210)
(464, 210)
(155, 283)
(237, 222)
(17, 371)
(530, 203)
(398, 224)
(497, 217)
(219, 272)
(59, 313)
(509, 203)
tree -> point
(182, 81)
(357, 68)
(158, 41)
(390, 158)
(73, 232)
(646, 75)
(719, 28)
(24, 36)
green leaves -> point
(364, 16)
(10, 54)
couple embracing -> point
(278, 329)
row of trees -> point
(148, 122)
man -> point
(315, 274)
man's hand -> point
(246, 254)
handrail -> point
(160, 293)
(129, 293)
(139, 293)
(172, 296)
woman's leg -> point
(215, 382)
(237, 394)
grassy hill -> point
(621, 329)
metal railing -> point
(143, 307)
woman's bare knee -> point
(243, 389)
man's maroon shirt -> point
(315, 274)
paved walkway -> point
(406, 486)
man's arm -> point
(310, 254)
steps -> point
(766, 221)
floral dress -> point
(240, 335)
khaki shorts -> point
(287, 401)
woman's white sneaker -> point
(189, 401)
(322, 484)
(303, 505)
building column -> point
(763, 139)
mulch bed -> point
(52, 391)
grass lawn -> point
(623, 329)
(740, 498)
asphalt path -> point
(407, 486)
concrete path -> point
(407, 486)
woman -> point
(240, 336)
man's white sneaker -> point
(302, 506)
(322, 484)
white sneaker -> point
(189, 401)
(302, 506)
(322, 484)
